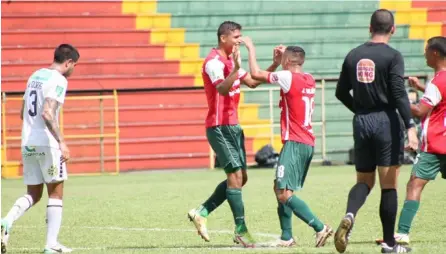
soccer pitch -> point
(146, 212)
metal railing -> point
(271, 119)
(101, 135)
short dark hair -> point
(382, 21)
(437, 43)
(226, 27)
(65, 52)
(296, 50)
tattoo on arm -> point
(49, 116)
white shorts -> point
(42, 164)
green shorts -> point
(294, 162)
(428, 165)
(228, 143)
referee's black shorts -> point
(379, 140)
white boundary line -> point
(259, 246)
(268, 235)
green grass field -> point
(146, 212)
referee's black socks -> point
(387, 212)
(356, 198)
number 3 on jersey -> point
(32, 103)
(309, 109)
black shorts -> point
(379, 140)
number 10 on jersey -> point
(309, 109)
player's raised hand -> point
(414, 82)
(236, 57)
(277, 54)
(65, 152)
(248, 42)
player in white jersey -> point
(44, 151)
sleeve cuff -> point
(244, 76)
(217, 82)
(426, 102)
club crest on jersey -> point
(365, 71)
(274, 77)
(59, 91)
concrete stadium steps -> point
(92, 36)
(85, 21)
(321, 47)
(437, 14)
(98, 82)
(104, 51)
(313, 63)
(265, 18)
(39, 37)
(60, 7)
(255, 6)
(428, 4)
(129, 66)
(293, 33)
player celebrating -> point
(222, 76)
(297, 104)
(375, 72)
(432, 111)
(44, 150)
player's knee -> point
(414, 188)
(245, 179)
(235, 180)
(368, 180)
(35, 197)
(283, 195)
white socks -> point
(54, 221)
(19, 208)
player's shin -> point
(303, 212)
(357, 197)
(19, 208)
(285, 218)
(54, 221)
(408, 213)
(235, 201)
(215, 200)
(387, 211)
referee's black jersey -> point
(375, 73)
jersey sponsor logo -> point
(30, 151)
(365, 71)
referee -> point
(375, 73)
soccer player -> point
(297, 103)
(432, 111)
(222, 76)
(44, 151)
(375, 73)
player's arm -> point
(252, 82)
(49, 115)
(398, 90)
(415, 83)
(260, 76)
(214, 69)
(431, 98)
(344, 87)
(23, 109)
